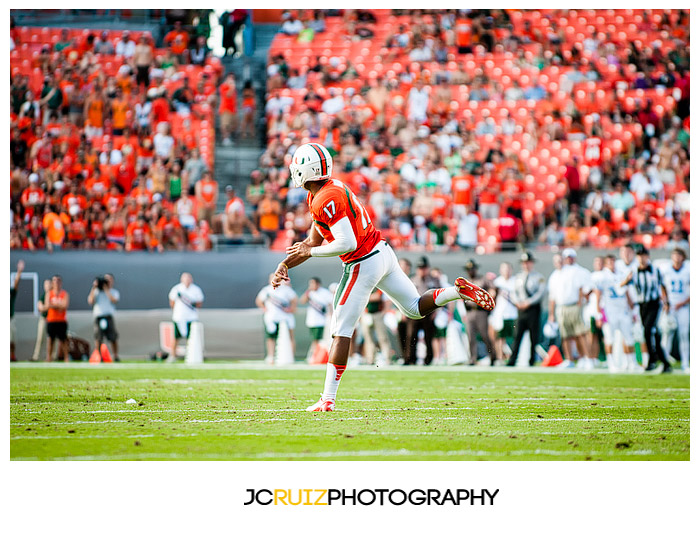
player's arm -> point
(551, 310)
(344, 241)
(664, 295)
(293, 259)
(682, 304)
(63, 303)
(599, 312)
(18, 275)
(630, 302)
(626, 280)
(91, 294)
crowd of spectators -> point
(465, 128)
(112, 138)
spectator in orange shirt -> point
(227, 108)
(55, 230)
(74, 197)
(138, 235)
(115, 230)
(234, 217)
(120, 108)
(199, 238)
(94, 113)
(248, 124)
(160, 107)
(169, 232)
(76, 228)
(33, 196)
(178, 40)
(574, 235)
(269, 211)
(490, 194)
(141, 193)
(206, 192)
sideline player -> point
(319, 299)
(278, 306)
(676, 279)
(614, 307)
(368, 261)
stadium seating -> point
(196, 130)
(584, 80)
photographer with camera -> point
(103, 298)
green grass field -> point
(245, 412)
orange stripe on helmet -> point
(324, 164)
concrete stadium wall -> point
(228, 333)
(229, 280)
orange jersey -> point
(54, 314)
(208, 191)
(332, 203)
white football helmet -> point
(311, 162)
(550, 330)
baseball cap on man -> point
(423, 263)
(471, 265)
(641, 250)
(569, 253)
(527, 257)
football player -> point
(615, 310)
(676, 279)
(368, 261)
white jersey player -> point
(615, 314)
(676, 279)
(320, 303)
(279, 306)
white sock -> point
(645, 357)
(631, 361)
(443, 296)
(333, 375)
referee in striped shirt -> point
(651, 292)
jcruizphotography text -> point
(367, 497)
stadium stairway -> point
(234, 163)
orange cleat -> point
(322, 405)
(469, 291)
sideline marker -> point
(104, 352)
(95, 357)
(553, 357)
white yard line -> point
(321, 434)
(365, 454)
(342, 418)
(301, 409)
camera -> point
(101, 282)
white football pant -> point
(380, 268)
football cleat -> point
(322, 405)
(469, 291)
